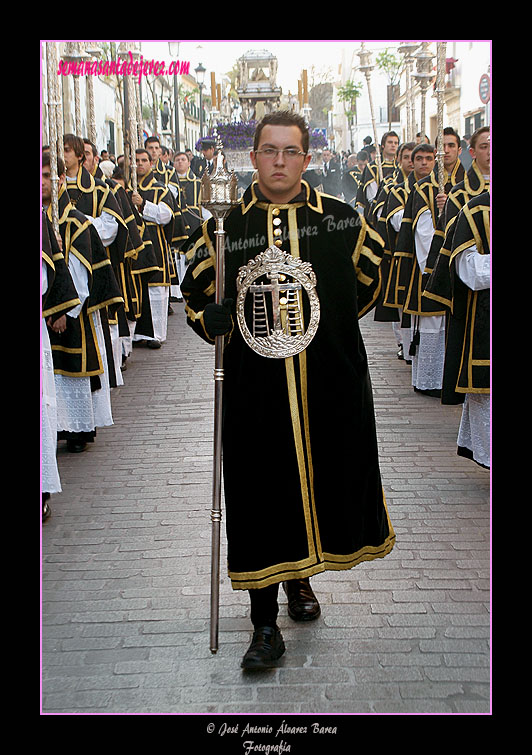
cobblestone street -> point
(126, 565)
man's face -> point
(390, 147)
(154, 148)
(452, 150)
(280, 176)
(406, 161)
(143, 164)
(181, 164)
(208, 153)
(423, 163)
(47, 184)
(70, 157)
(327, 154)
(481, 152)
(90, 160)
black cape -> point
(467, 348)
(303, 490)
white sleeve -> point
(396, 219)
(173, 189)
(474, 268)
(80, 278)
(423, 234)
(371, 191)
(107, 227)
(157, 213)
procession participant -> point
(59, 296)
(300, 520)
(92, 196)
(436, 280)
(143, 267)
(370, 182)
(454, 171)
(381, 210)
(199, 165)
(122, 320)
(155, 204)
(467, 355)
(165, 173)
(83, 393)
(351, 179)
(332, 174)
(418, 226)
(389, 226)
(193, 213)
(75, 352)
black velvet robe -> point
(303, 489)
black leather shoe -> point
(76, 446)
(302, 603)
(266, 647)
(154, 344)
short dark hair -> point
(76, 144)
(449, 131)
(94, 150)
(423, 147)
(406, 145)
(362, 155)
(283, 118)
(151, 139)
(476, 134)
(141, 150)
(386, 135)
(60, 164)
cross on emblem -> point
(275, 288)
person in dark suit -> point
(332, 174)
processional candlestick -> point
(366, 67)
(93, 50)
(424, 75)
(74, 54)
(440, 92)
(406, 49)
(54, 103)
(219, 196)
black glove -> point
(217, 318)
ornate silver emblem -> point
(274, 326)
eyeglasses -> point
(291, 154)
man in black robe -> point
(299, 500)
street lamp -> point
(200, 78)
(173, 47)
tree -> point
(392, 67)
(348, 95)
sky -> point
(293, 55)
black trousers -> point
(264, 606)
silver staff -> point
(219, 196)
(53, 103)
(440, 93)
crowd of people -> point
(436, 265)
(403, 244)
(120, 258)
(109, 277)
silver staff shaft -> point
(440, 92)
(219, 196)
(216, 510)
